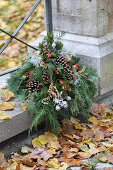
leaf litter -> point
(16, 10)
(69, 148)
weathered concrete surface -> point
(19, 122)
(83, 17)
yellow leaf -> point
(94, 120)
(11, 64)
(3, 3)
(13, 166)
(53, 163)
(4, 116)
(24, 106)
(7, 106)
(52, 151)
(50, 137)
(7, 95)
(36, 143)
(42, 139)
(26, 26)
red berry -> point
(61, 82)
(45, 48)
(65, 88)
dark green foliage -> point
(81, 89)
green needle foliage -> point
(54, 88)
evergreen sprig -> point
(80, 90)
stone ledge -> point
(19, 122)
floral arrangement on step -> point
(54, 86)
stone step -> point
(20, 120)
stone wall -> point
(83, 17)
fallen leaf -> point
(107, 144)
(25, 149)
(53, 163)
(7, 95)
(24, 106)
(63, 166)
(4, 116)
(103, 159)
(93, 151)
(84, 148)
(108, 168)
(40, 153)
(36, 143)
(99, 136)
(70, 154)
(87, 133)
(94, 120)
(3, 161)
(7, 106)
(84, 155)
(73, 162)
(54, 145)
(110, 158)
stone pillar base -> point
(94, 52)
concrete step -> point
(20, 120)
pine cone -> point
(33, 86)
(69, 73)
(46, 77)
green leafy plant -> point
(53, 85)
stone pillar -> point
(89, 33)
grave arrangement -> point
(54, 84)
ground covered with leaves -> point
(74, 146)
(12, 12)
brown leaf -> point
(7, 95)
(85, 155)
(40, 153)
(3, 162)
(108, 168)
(99, 136)
(110, 158)
(95, 110)
(87, 133)
(70, 154)
(73, 162)
(7, 106)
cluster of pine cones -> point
(34, 84)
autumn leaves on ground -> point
(12, 12)
(75, 148)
